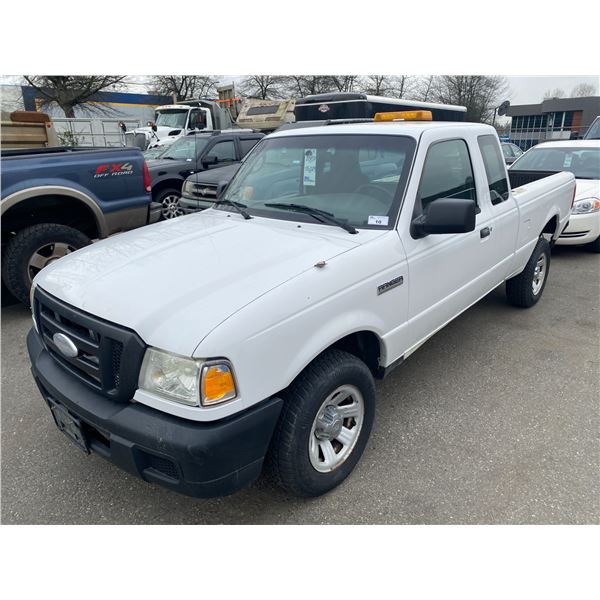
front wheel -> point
(595, 245)
(526, 288)
(169, 201)
(324, 425)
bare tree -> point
(70, 91)
(305, 85)
(263, 86)
(345, 83)
(583, 89)
(183, 86)
(423, 88)
(555, 93)
(397, 86)
(479, 93)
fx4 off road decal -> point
(113, 170)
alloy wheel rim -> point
(46, 255)
(170, 207)
(336, 428)
(539, 274)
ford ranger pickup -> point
(331, 256)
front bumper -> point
(582, 229)
(191, 205)
(194, 458)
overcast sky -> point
(523, 90)
(530, 90)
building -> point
(554, 119)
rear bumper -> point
(154, 212)
(582, 229)
(194, 458)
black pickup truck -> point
(56, 200)
(193, 154)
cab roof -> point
(410, 128)
(569, 144)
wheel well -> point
(63, 210)
(176, 184)
(551, 225)
(364, 345)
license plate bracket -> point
(70, 426)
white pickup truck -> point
(333, 254)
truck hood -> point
(215, 176)
(175, 281)
(587, 188)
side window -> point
(247, 144)
(224, 151)
(494, 168)
(447, 173)
(197, 120)
(507, 150)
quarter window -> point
(447, 173)
(247, 145)
(494, 168)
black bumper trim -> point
(209, 458)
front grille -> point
(163, 465)
(204, 191)
(574, 234)
(108, 356)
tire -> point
(290, 457)
(169, 201)
(594, 246)
(526, 288)
(31, 249)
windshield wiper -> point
(316, 213)
(238, 206)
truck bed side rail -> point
(520, 178)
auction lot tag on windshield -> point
(310, 166)
(378, 220)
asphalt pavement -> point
(494, 420)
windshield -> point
(358, 179)
(171, 118)
(593, 133)
(584, 163)
(186, 148)
(155, 152)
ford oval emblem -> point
(65, 345)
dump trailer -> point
(26, 129)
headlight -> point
(187, 380)
(587, 205)
(187, 188)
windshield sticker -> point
(378, 220)
(310, 166)
(568, 159)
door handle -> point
(483, 233)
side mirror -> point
(446, 215)
(221, 189)
(210, 160)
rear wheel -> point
(526, 288)
(169, 201)
(324, 425)
(34, 248)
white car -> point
(582, 158)
(331, 256)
